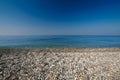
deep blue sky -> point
(59, 17)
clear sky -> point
(59, 17)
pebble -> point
(60, 64)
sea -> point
(60, 41)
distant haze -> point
(59, 17)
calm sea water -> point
(58, 41)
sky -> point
(59, 17)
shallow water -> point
(58, 41)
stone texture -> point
(60, 64)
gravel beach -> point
(60, 64)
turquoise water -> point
(58, 41)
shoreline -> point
(114, 49)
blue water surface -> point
(60, 41)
